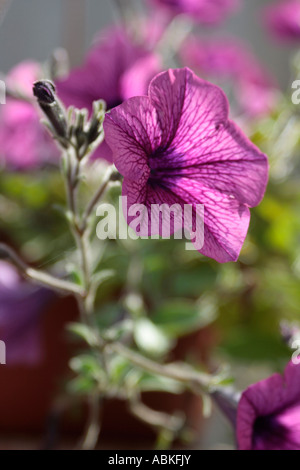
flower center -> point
(269, 433)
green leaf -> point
(103, 276)
(87, 365)
(119, 368)
(84, 332)
(247, 344)
(181, 316)
(193, 281)
(75, 274)
(156, 383)
(150, 338)
(82, 385)
(108, 315)
(117, 331)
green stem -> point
(80, 236)
(40, 277)
(111, 175)
(80, 231)
(156, 419)
(196, 381)
(79, 226)
(93, 426)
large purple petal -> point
(132, 131)
(226, 220)
(204, 144)
(187, 107)
(151, 220)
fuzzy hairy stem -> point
(93, 425)
(154, 418)
(110, 175)
(40, 277)
(80, 229)
(196, 381)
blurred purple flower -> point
(283, 20)
(21, 307)
(204, 11)
(256, 92)
(24, 141)
(177, 146)
(269, 413)
(115, 69)
(221, 56)
(230, 59)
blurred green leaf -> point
(84, 332)
(119, 368)
(82, 385)
(254, 345)
(155, 383)
(150, 338)
(180, 316)
(87, 365)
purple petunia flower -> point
(268, 415)
(21, 307)
(232, 60)
(177, 146)
(283, 20)
(115, 69)
(222, 56)
(257, 93)
(203, 11)
(24, 142)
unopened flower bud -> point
(45, 92)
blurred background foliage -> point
(160, 292)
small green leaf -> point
(150, 338)
(84, 332)
(82, 385)
(156, 383)
(75, 274)
(179, 317)
(117, 331)
(86, 364)
(119, 368)
(102, 276)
